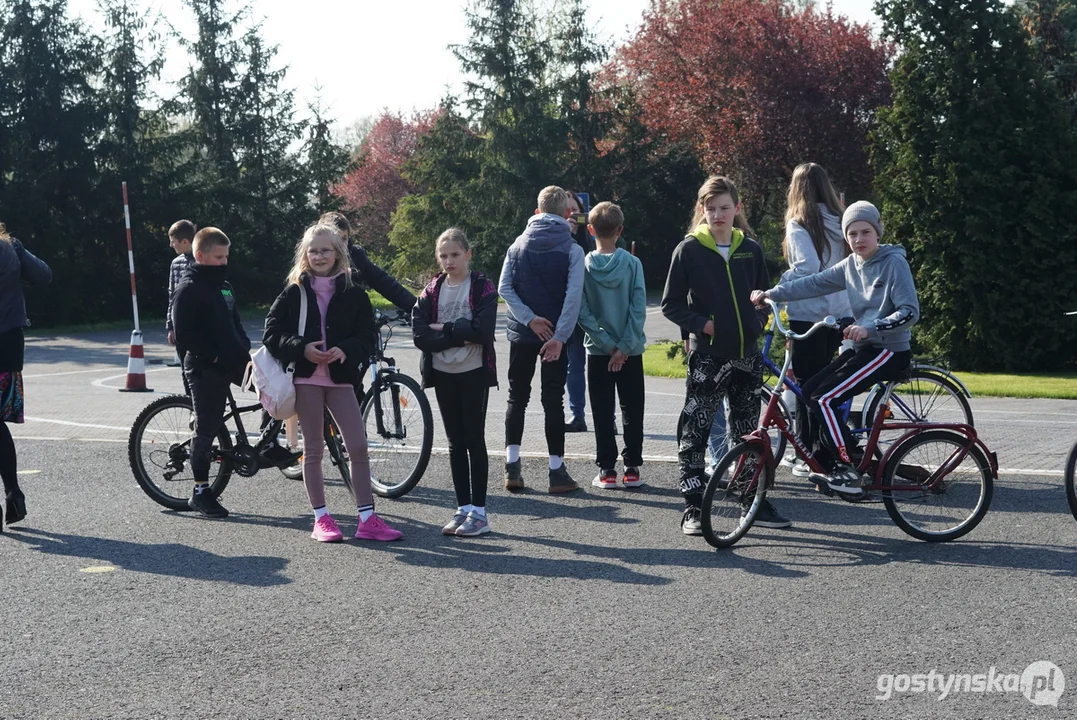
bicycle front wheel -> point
(777, 439)
(947, 508)
(734, 493)
(159, 450)
(926, 397)
(399, 432)
(1071, 489)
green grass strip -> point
(1061, 386)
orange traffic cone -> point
(136, 366)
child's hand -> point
(335, 354)
(551, 350)
(437, 327)
(543, 328)
(759, 298)
(855, 332)
(617, 361)
(171, 337)
(312, 353)
(708, 328)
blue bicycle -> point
(927, 394)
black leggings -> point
(462, 400)
(522, 359)
(209, 394)
(809, 357)
(8, 459)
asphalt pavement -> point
(592, 605)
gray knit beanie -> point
(862, 210)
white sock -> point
(556, 462)
(465, 509)
(480, 511)
(512, 453)
(319, 511)
(365, 511)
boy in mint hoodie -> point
(612, 313)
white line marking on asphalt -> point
(101, 382)
(72, 372)
(27, 472)
(68, 439)
(78, 424)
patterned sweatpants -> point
(709, 380)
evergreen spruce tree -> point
(976, 164)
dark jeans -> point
(9, 462)
(709, 380)
(628, 385)
(809, 357)
(522, 360)
(852, 373)
(462, 400)
(577, 360)
(209, 393)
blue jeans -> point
(717, 443)
(577, 375)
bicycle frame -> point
(378, 359)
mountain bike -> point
(398, 420)
(927, 394)
(936, 480)
(159, 449)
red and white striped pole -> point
(136, 359)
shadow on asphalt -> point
(170, 559)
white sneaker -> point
(789, 460)
(607, 480)
(801, 470)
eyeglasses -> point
(320, 253)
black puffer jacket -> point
(349, 325)
(209, 331)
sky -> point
(365, 56)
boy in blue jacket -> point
(612, 314)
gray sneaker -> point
(475, 524)
(457, 520)
(561, 481)
(514, 480)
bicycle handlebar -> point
(382, 319)
(828, 322)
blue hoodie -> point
(614, 305)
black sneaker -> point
(768, 517)
(690, 524)
(15, 506)
(576, 425)
(514, 480)
(277, 456)
(561, 481)
(205, 503)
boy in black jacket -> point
(214, 350)
(708, 294)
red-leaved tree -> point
(372, 190)
(759, 87)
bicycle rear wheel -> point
(948, 508)
(1069, 479)
(926, 397)
(734, 493)
(401, 439)
(159, 451)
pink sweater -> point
(323, 291)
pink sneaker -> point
(376, 529)
(326, 530)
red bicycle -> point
(936, 480)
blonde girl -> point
(337, 338)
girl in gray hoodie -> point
(883, 300)
(813, 243)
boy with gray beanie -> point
(882, 295)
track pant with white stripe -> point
(852, 373)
